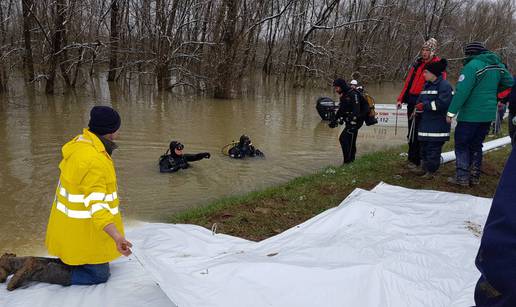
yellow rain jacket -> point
(86, 201)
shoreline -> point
(260, 214)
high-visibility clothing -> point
(86, 200)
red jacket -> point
(418, 81)
(504, 94)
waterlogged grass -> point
(261, 214)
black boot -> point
(43, 270)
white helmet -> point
(353, 82)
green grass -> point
(262, 214)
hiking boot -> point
(428, 176)
(456, 182)
(474, 181)
(49, 270)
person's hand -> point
(419, 107)
(333, 124)
(206, 155)
(449, 119)
(398, 105)
(123, 246)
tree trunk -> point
(223, 86)
(57, 38)
(28, 62)
(113, 61)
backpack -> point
(370, 116)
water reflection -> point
(284, 124)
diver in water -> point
(176, 160)
(244, 148)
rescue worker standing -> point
(409, 95)
(434, 130)
(85, 229)
(475, 105)
(351, 111)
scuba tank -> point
(226, 148)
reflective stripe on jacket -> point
(86, 200)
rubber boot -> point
(5, 266)
(9, 264)
(43, 270)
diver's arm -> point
(196, 157)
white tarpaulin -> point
(388, 247)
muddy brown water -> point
(282, 123)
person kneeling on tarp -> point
(174, 159)
(433, 130)
(244, 148)
(85, 227)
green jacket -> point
(482, 77)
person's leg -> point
(343, 145)
(413, 151)
(41, 270)
(481, 131)
(487, 296)
(346, 142)
(434, 156)
(416, 158)
(463, 135)
(9, 264)
(354, 138)
(90, 274)
(422, 154)
(353, 148)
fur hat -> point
(430, 44)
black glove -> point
(333, 124)
(206, 155)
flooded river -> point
(283, 124)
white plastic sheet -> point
(388, 247)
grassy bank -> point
(262, 214)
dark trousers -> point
(512, 128)
(414, 152)
(431, 155)
(468, 149)
(348, 141)
(487, 296)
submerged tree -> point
(214, 45)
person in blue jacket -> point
(496, 258)
(433, 105)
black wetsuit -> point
(241, 151)
(170, 163)
(352, 108)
